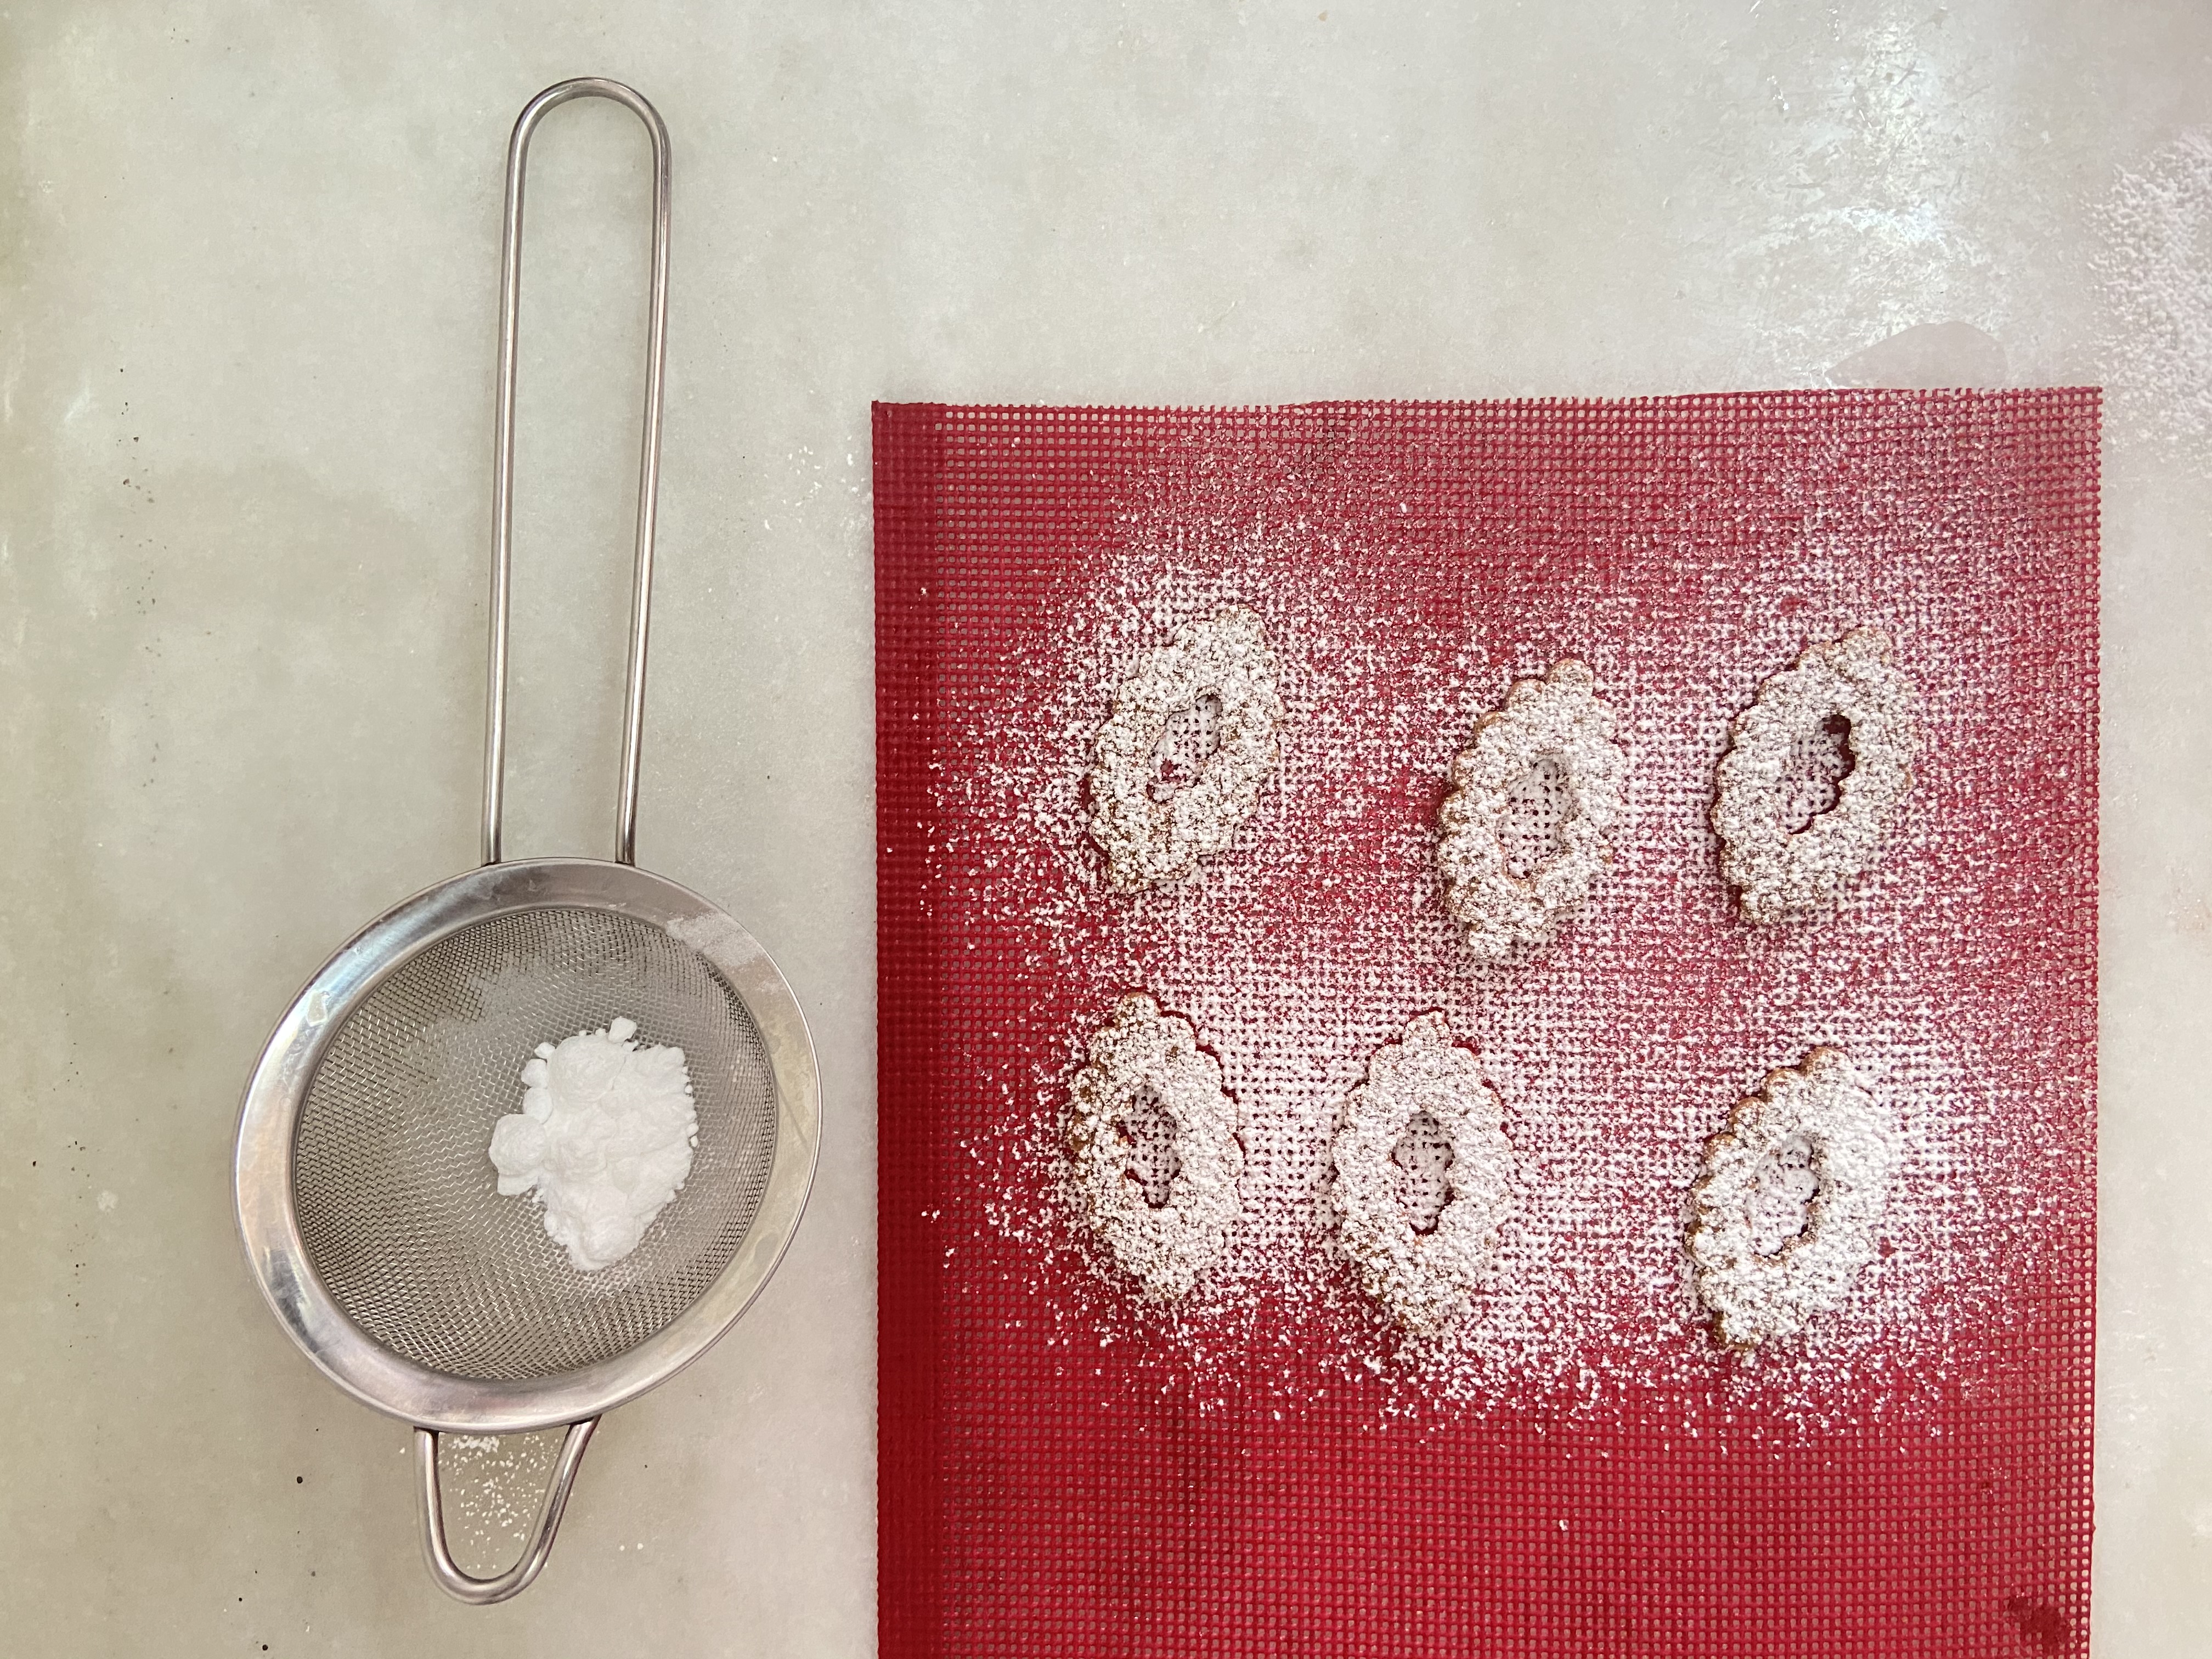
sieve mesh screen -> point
(392, 1181)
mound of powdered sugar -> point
(604, 1139)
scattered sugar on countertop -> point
(2155, 272)
(604, 1139)
(491, 1487)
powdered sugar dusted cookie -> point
(1785, 861)
(1423, 1177)
(1785, 1213)
(1178, 764)
(1152, 1140)
(1529, 824)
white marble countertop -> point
(250, 254)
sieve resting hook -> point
(516, 1578)
(648, 475)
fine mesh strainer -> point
(366, 1196)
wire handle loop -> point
(481, 1592)
(648, 480)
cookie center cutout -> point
(1192, 737)
(1780, 1204)
(1532, 829)
(1813, 777)
(1424, 1153)
(1153, 1161)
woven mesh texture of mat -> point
(1268, 1463)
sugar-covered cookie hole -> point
(1532, 830)
(1424, 1156)
(1816, 778)
(1151, 1129)
(1192, 738)
(1179, 763)
(1528, 826)
(1785, 1212)
(1813, 773)
(1154, 1157)
(1421, 1178)
(1780, 1206)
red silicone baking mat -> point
(1265, 1464)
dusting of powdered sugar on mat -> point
(1316, 935)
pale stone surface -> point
(245, 403)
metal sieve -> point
(367, 1197)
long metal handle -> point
(479, 1592)
(648, 478)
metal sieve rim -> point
(270, 1228)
